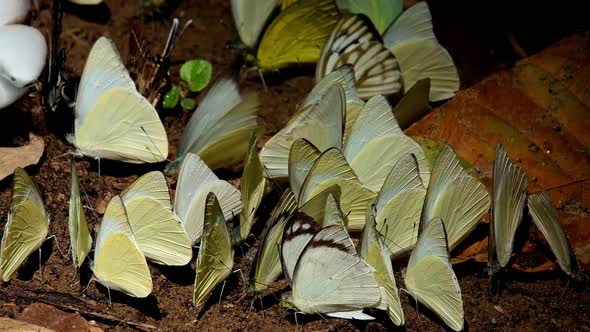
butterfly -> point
(546, 218)
(156, 228)
(320, 123)
(219, 129)
(297, 34)
(398, 206)
(150, 72)
(119, 264)
(430, 278)
(508, 197)
(331, 168)
(216, 254)
(250, 17)
(373, 250)
(456, 197)
(112, 120)
(266, 267)
(80, 239)
(352, 41)
(27, 225)
(252, 187)
(411, 39)
(195, 181)
(326, 274)
(380, 12)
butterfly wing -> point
(104, 70)
(217, 128)
(376, 143)
(216, 254)
(330, 169)
(375, 67)
(124, 126)
(454, 196)
(195, 181)
(414, 23)
(155, 227)
(119, 263)
(316, 206)
(267, 262)
(546, 218)
(321, 124)
(430, 278)
(250, 17)
(380, 12)
(297, 233)
(252, 186)
(421, 58)
(302, 156)
(509, 194)
(27, 225)
(399, 205)
(375, 253)
(298, 34)
(80, 239)
(331, 277)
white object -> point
(14, 11)
(9, 93)
(23, 52)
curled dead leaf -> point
(22, 156)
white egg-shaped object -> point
(14, 11)
(9, 93)
(23, 52)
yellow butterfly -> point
(27, 225)
(297, 35)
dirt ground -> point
(480, 46)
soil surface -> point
(479, 40)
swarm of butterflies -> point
(349, 166)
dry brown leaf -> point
(22, 156)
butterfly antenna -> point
(262, 79)
(561, 185)
(184, 27)
(221, 294)
(170, 41)
(56, 244)
(40, 266)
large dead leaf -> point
(540, 111)
(22, 156)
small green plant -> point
(195, 76)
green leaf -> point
(187, 103)
(171, 97)
(197, 74)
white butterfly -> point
(220, 128)
(430, 278)
(546, 218)
(326, 274)
(113, 121)
(456, 197)
(195, 181)
(509, 194)
(411, 39)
